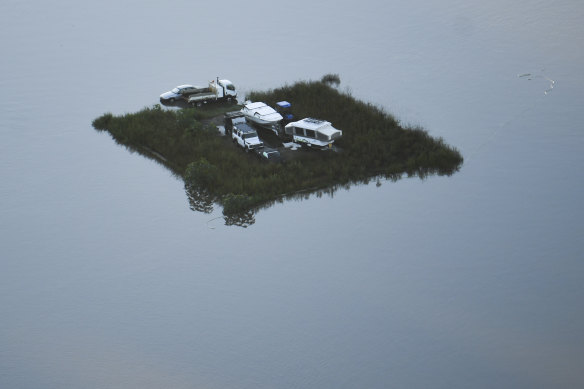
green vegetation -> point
(373, 142)
(331, 79)
(373, 145)
(173, 137)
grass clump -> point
(216, 171)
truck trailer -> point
(218, 90)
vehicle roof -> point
(329, 130)
(185, 86)
(284, 104)
(244, 127)
(234, 114)
(310, 123)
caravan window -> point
(310, 134)
(298, 131)
(323, 137)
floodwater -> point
(109, 280)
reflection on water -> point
(201, 201)
(241, 219)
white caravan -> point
(314, 133)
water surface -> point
(108, 279)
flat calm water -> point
(109, 280)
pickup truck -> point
(246, 137)
(216, 91)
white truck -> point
(216, 91)
(246, 137)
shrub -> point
(202, 175)
(331, 79)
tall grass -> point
(373, 141)
(214, 170)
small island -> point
(187, 141)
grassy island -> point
(373, 145)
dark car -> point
(270, 154)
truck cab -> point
(226, 90)
(246, 137)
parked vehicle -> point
(177, 93)
(198, 95)
(246, 137)
(314, 133)
(216, 91)
(263, 115)
(269, 154)
(231, 119)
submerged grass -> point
(214, 170)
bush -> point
(331, 79)
(202, 175)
